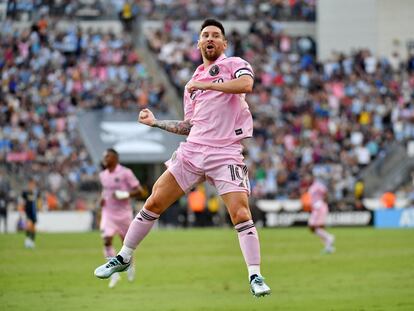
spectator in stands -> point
(126, 16)
(388, 199)
(197, 204)
(213, 208)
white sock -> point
(325, 236)
(126, 253)
(253, 270)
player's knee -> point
(154, 204)
(107, 242)
(240, 215)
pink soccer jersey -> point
(317, 192)
(219, 119)
(319, 213)
(116, 214)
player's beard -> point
(211, 56)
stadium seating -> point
(49, 74)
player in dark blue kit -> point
(29, 198)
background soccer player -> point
(4, 201)
(217, 118)
(29, 200)
(118, 185)
(318, 193)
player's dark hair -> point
(212, 22)
(113, 151)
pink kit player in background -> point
(318, 193)
(118, 185)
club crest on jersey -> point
(214, 70)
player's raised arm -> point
(174, 126)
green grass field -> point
(204, 270)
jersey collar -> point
(117, 168)
(221, 57)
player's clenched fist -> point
(146, 117)
(196, 85)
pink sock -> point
(249, 242)
(325, 236)
(109, 251)
(140, 227)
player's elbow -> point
(248, 86)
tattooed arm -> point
(173, 126)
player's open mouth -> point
(210, 47)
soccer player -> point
(4, 200)
(118, 185)
(29, 200)
(318, 193)
(217, 118)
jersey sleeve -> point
(240, 67)
(130, 179)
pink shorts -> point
(318, 215)
(112, 225)
(223, 167)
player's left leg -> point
(30, 234)
(238, 207)
(327, 239)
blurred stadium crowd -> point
(47, 77)
(329, 119)
(304, 10)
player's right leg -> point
(238, 207)
(164, 193)
(131, 269)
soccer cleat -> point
(258, 287)
(328, 250)
(131, 272)
(29, 243)
(114, 279)
(115, 264)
